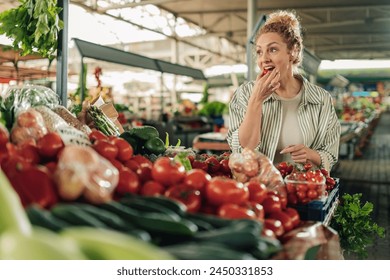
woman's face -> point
(272, 53)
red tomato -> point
(189, 197)
(105, 148)
(167, 171)
(268, 233)
(221, 190)
(257, 191)
(197, 179)
(143, 161)
(197, 164)
(29, 152)
(308, 166)
(234, 211)
(34, 185)
(294, 215)
(271, 204)
(284, 219)
(96, 135)
(258, 209)
(144, 173)
(117, 164)
(275, 226)
(50, 144)
(132, 164)
(128, 182)
(292, 199)
(125, 150)
(152, 188)
(4, 136)
(225, 166)
(213, 165)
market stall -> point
(58, 173)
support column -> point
(251, 18)
(62, 55)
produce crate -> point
(320, 210)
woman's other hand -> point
(302, 154)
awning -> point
(109, 54)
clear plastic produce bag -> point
(252, 165)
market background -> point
(212, 36)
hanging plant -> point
(354, 225)
(33, 26)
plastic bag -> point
(28, 127)
(252, 165)
(81, 171)
(18, 99)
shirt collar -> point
(308, 94)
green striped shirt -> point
(316, 117)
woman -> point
(281, 113)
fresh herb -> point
(353, 222)
(33, 26)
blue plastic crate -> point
(318, 210)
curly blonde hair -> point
(287, 25)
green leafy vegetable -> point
(33, 26)
(354, 225)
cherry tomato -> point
(105, 148)
(275, 226)
(189, 197)
(197, 179)
(257, 191)
(265, 71)
(167, 171)
(234, 211)
(128, 182)
(312, 194)
(96, 135)
(125, 150)
(50, 144)
(283, 218)
(292, 199)
(272, 204)
(294, 215)
(221, 190)
(308, 166)
(152, 188)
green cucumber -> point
(111, 220)
(138, 203)
(177, 207)
(205, 251)
(44, 218)
(215, 221)
(242, 234)
(266, 248)
(152, 222)
(74, 216)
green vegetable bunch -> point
(354, 225)
(33, 26)
(214, 108)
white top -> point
(290, 133)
